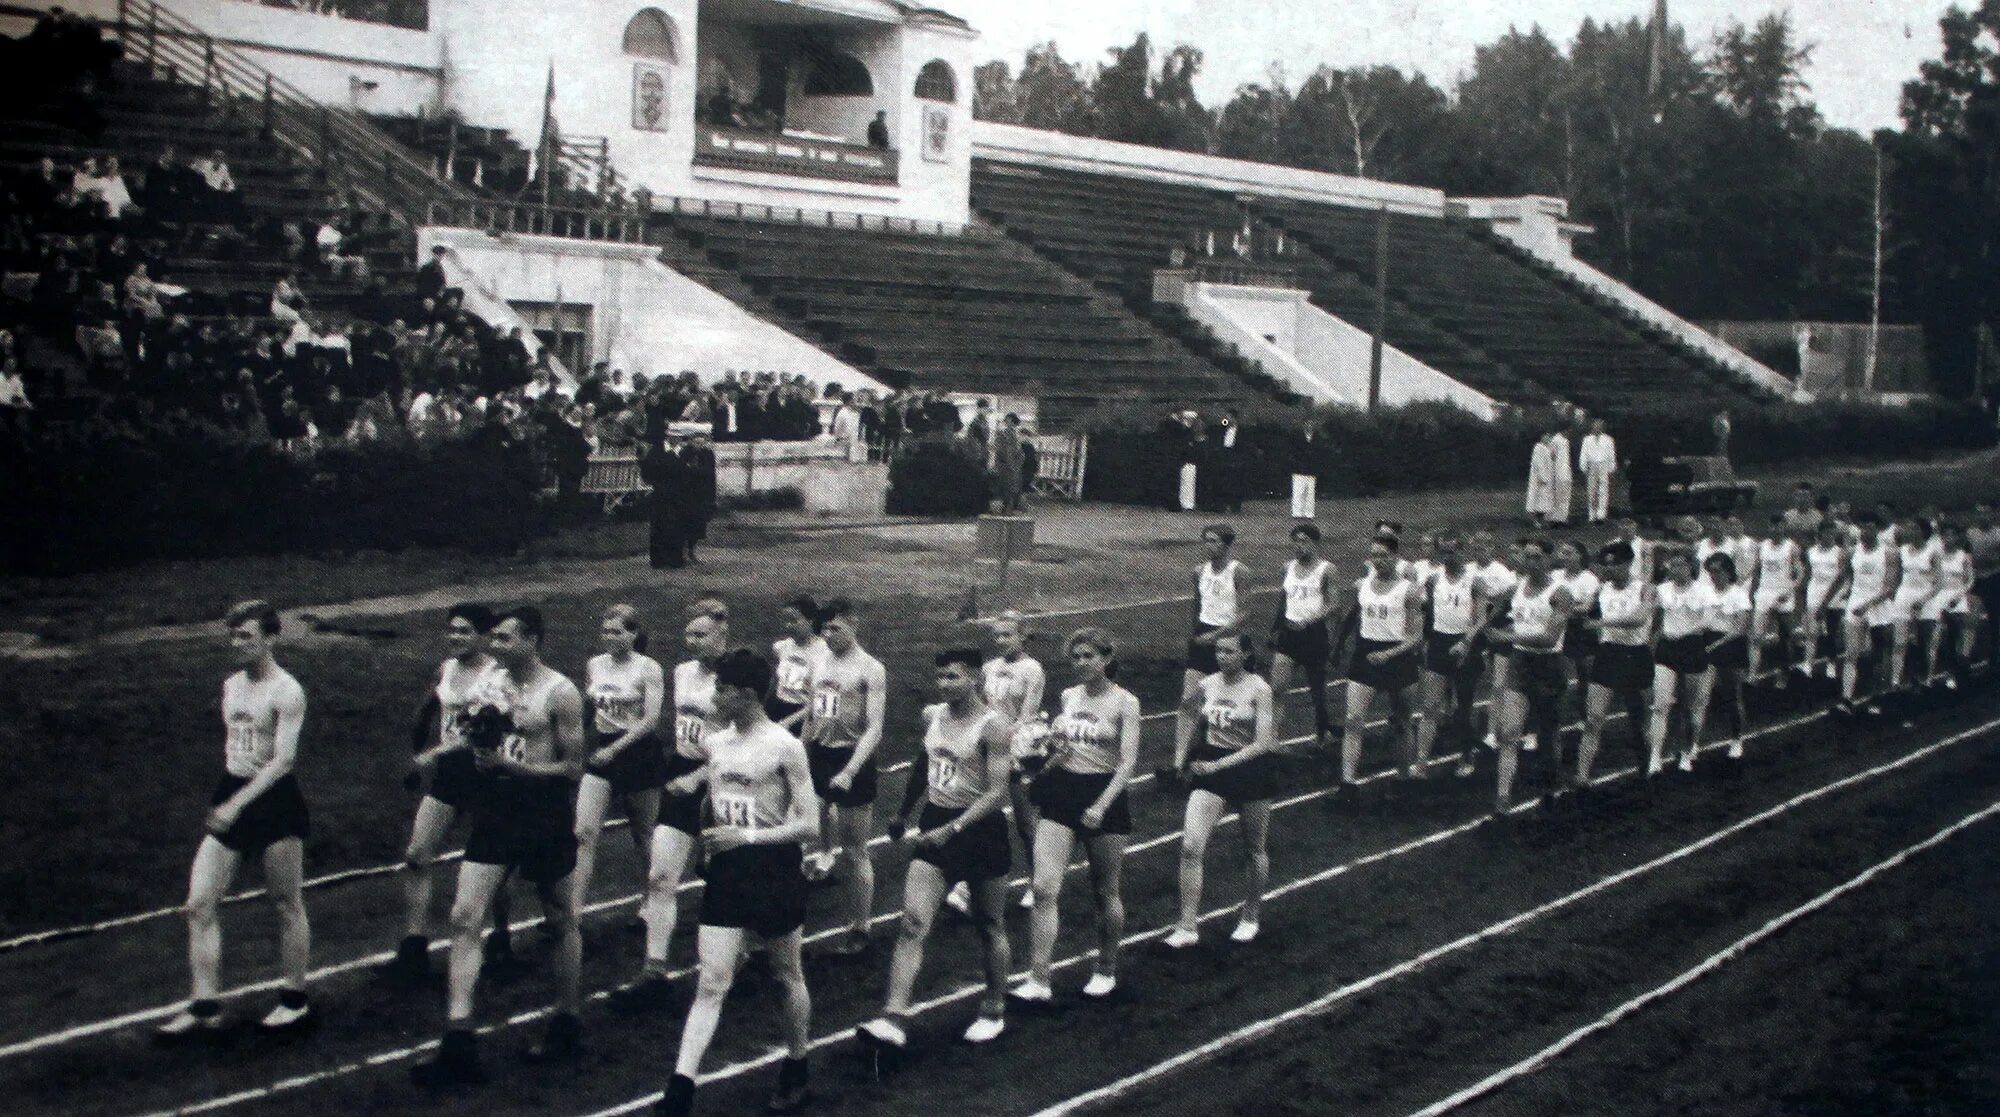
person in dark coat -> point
(662, 469)
(698, 471)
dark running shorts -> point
(827, 763)
(681, 812)
(981, 852)
(274, 816)
(1307, 646)
(1683, 655)
(639, 766)
(455, 781)
(1622, 667)
(1062, 796)
(1399, 673)
(778, 709)
(755, 888)
(528, 825)
(1252, 781)
(1538, 675)
(1201, 657)
(1437, 654)
(1733, 655)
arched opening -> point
(831, 73)
(651, 35)
(935, 82)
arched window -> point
(651, 35)
(830, 73)
(936, 83)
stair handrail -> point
(349, 151)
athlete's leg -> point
(1431, 694)
(208, 882)
(661, 908)
(1281, 684)
(923, 891)
(1407, 723)
(1666, 690)
(719, 949)
(989, 913)
(477, 882)
(284, 882)
(642, 813)
(1696, 690)
(1465, 703)
(1508, 727)
(1190, 683)
(419, 870)
(1107, 870)
(786, 966)
(593, 801)
(1359, 699)
(1052, 849)
(1596, 711)
(1204, 809)
(559, 908)
(858, 877)
(1025, 817)
(1729, 683)
(1256, 821)
(1853, 648)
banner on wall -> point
(649, 98)
(937, 133)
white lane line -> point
(57, 934)
(1260, 1029)
(971, 991)
(1709, 965)
(1183, 599)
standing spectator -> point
(431, 280)
(1599, 458)
(846, 425)
(14, 402)
(1720, 428)
(698, 465)
(1542, 479)
(1191, 449)
(1804, 514)
(1563, 492)
(878, 131)
(1226, 451)
(1305, 478)
(1008, 465)
(979, 432)
(662, 469)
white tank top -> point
(957, 772)
(694, 707)
(1871, 567)
(1724, 605)
(1013, 689)
(1089, 730)
(1383, 611)
(617, 692)
(1582, 587)
(1683, 612)
(1305, 593)
(1623, 607)
(455, 686)
(1497, 578)
(795, 666)
(1230, 711)
(1451, 603)
(1955, 574)
(1217, 589)
(746, 775)
(530, 735)
(250, 720)
(1776, 566)
(1704, 547)
(1920, 576)
(1534, 614)
(1822, 568)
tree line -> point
(1712, 180)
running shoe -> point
(678, 1098)
(455, 1064)
(793, 1091)
(284, 1017)
(192, 1022)
(1032, 992)
(1246, 931)
(959, 899)
(561, 1043)
(412, 963)
(884, 1031)
(1530, 743)
(649, 994)
(1180, 938)
(1686, 762)
(1736, 749)
(1100, 986)
(985, 1029)
(1028, 900)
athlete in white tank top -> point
(1305, 592)
(1217, 593)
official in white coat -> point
(1598, 457)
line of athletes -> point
(771, 754)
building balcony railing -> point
(746, 150)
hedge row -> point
(87, 497)
(1431, 446)
(938, 475)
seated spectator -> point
(219, 199)
(878, 132)
(14, 403)
(288, 303)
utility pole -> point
(1875, 297)
(1381, 308)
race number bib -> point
(515, 748)
(241, 744)
(1380, 611)
(943, 773)
(826, 704)
(1220, 716)
(739, 811)
(793, 675)
(688, 729)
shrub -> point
(89, 496)
(937, 475)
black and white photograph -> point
(1026, 558)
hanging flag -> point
(1657, 48)
(549, 148)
